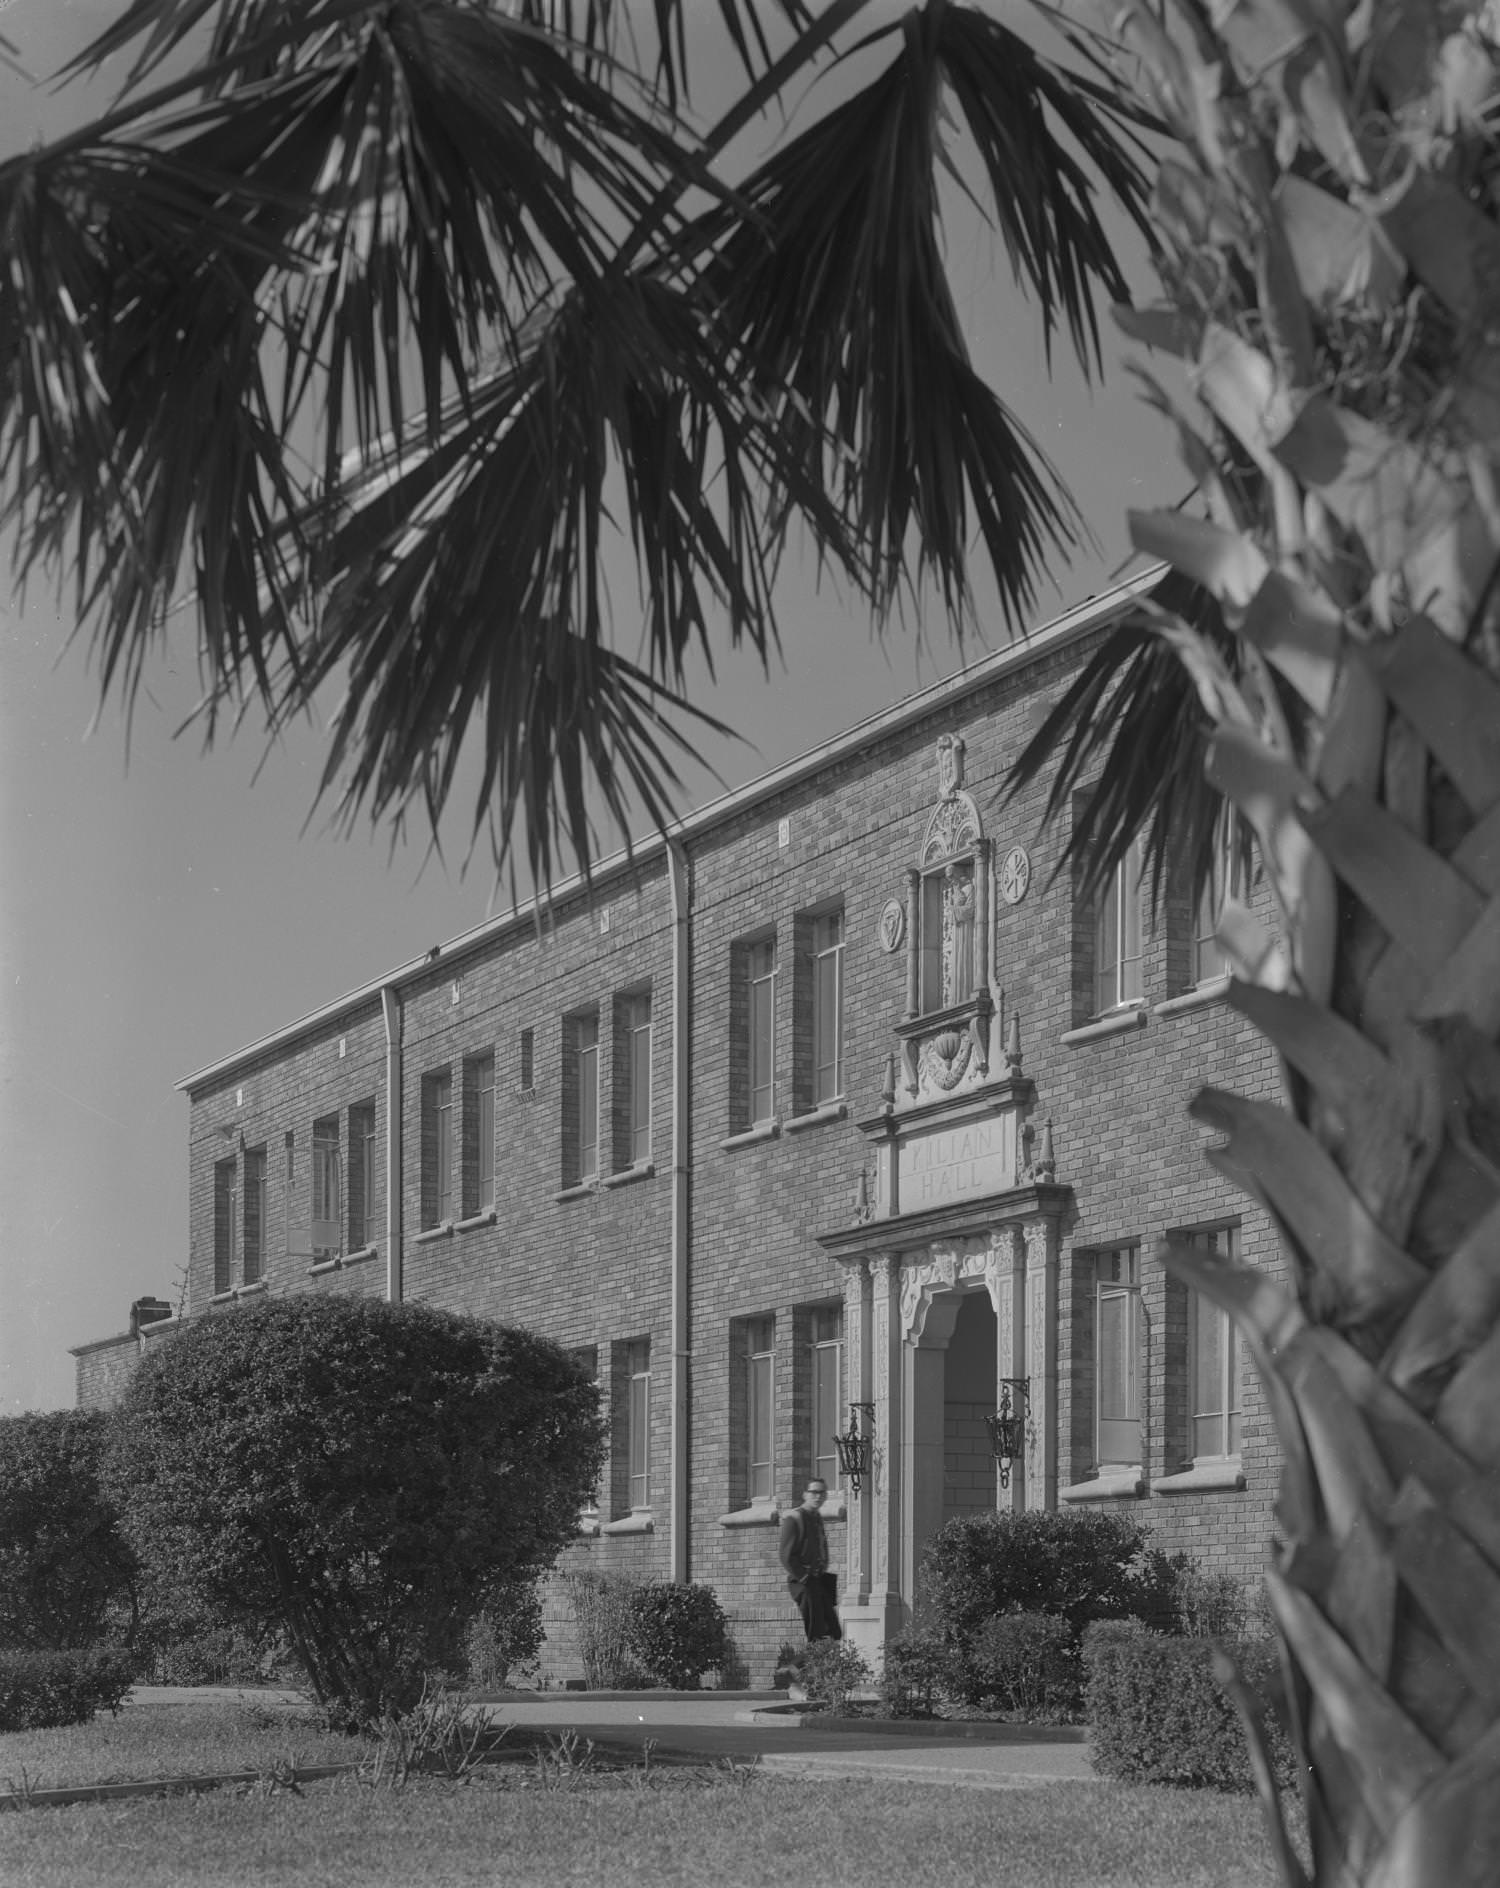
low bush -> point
(1157, 1714)
(1083, 1566)
(918, 1673)
(1209, 1605)
(678, 1632)
(42, 1689)
(504, 1638)
(204, 1652)
(604, 1615)
(832, 1669)
(1023, 1662)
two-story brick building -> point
(836, 1096)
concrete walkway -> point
(710, 1727)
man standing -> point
(804, 1555)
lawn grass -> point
(732, 1833)
(165, 1740)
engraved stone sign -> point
(954, 1165)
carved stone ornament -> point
(1015, 875)
(945, 1059)
(950, 758)
(946, 1269)
(893, 925)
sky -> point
(160, 907)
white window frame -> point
(1226, 881)
(362, 1209)
(760, 1409)
(1126, 1260)
(828, 1006)
(638, 1077)
(1230, 1414)
(827, 1355)
(760, 1024)
(227, 1220)
(1119, 969)
(638, 1423)
(254, 1189)
(479, 1093)
(326, 1177)
(586, 1094)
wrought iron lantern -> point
(1007, 1426)
(854, 1449)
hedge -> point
(42, 1689)
(1158, 1715)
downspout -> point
(677, 867)
(390, 1007)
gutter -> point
(682, 940)
(1062, 630)
(393, 1015)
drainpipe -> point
(677, 867)
(390, 1007)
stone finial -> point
(950, 758)
(864, 1212)
(1013, 1044)
(1046, 1160)
(888, 1089)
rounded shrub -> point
(678, 1632)
(1157, 1713)
(831, 1669)
(67, 1574)
(362, 1475)
(1023, 1662)
(917, 1673)
(1082, 1566)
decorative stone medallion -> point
(1015, 875)
(892, 925)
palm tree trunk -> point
(1332, 295)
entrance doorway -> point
(950, 1389)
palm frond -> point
(466, 577)
(1126, 748)
(829, 275)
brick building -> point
(836, 1097)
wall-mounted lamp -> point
(1007, 1426)
(855, 1448)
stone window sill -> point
(1214, 990)
(1115, 1024)
(762, 1131)
(758, 1514)
(486, 1218)
(1201, 1476)
(580, 1190)
(1104, 1487)
(815, 1117)
(429, 1235)
(223, 1297)
(642, 1521)
(342, 1259)
(252, 1290)
(642, 1170)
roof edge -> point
(1058, 631)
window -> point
(325, 1187)
(226, 1223)
(1225, 882)
(581, 1099)
(586, 1356)
(528, 1061)
(479, 1135)
(638, 1422)
(361, 1175)
(947, 942)
(760, 967)
(1117, 1357)
(827, 1357)
(1214, 1361)
(255, 1214)
(437, 1148)
(760, 1425)
(1117, 936)
(633, 1080)
(828, 1006)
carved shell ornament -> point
(946, 1058)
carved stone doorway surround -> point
(903, 1288)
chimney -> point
(147, 1311)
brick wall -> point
(590, 1267)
